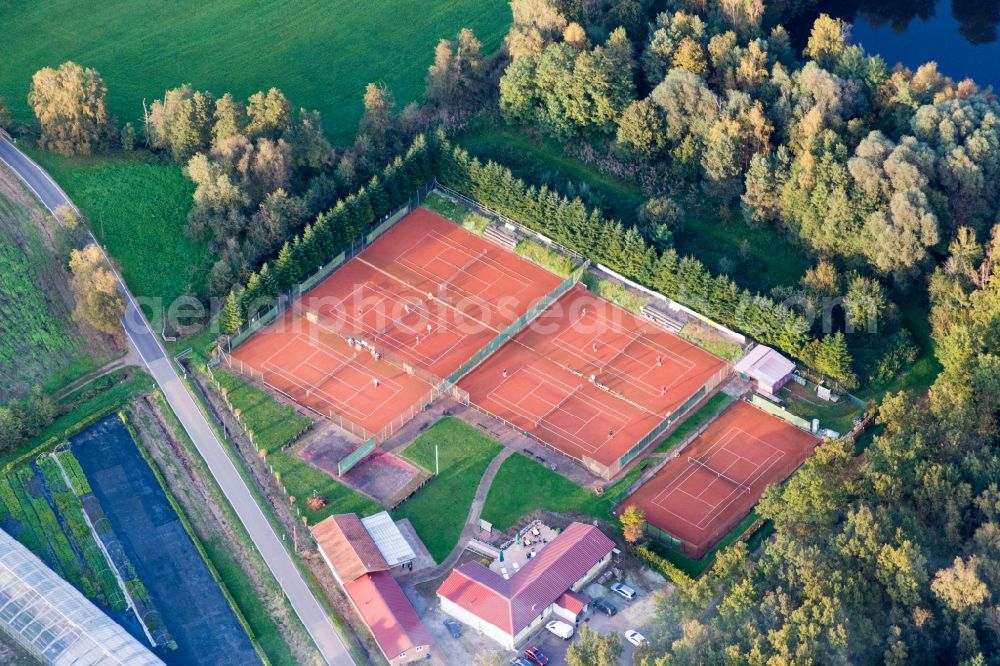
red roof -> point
(388, 613)
(348, 547)
(513, 604)
(572, 602)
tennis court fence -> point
(495, 215)
(658, 430)
(519, 324)
(767, 406)
(284, 301)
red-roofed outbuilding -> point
(358, 565)
(398, 631)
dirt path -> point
(471, 524)
(131, 358)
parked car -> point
(454, 628)
(519, 661)
(606, 607)
(563, 630)
(536, 656)
(634, 637)
(623, 591)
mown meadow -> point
(320, 54)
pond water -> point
(185, 597)
(960, 35)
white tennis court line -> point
(418, 358)
(317, 348)
(531, 416)
(472, 297)
(334, 402)
(409, 286)
(505, 274)
(660, 499)
(634, 337)
(444, 240)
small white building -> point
(767, 369)
(510, 610)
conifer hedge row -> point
(568, 221)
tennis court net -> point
(742, 486)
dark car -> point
(605, 607)
(536, 656)
(454, 628)
(519, 661)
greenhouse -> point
(50, 619)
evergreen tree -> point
(231, 317)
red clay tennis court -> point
(419, 302)
(320, 371)
(703, 493)
(591, 380)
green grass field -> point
(138, 211)
(320, 54)
(273, 424)
(439, 509)
(523, 485)
(41, 344)
(301, 480)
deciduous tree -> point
(99, 302)
(69, 103)
(633, 520)
(594, 649)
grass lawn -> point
(301, 480)
(523, 485)
(138, 211)
(614, 292)
(802, 401)
(273, 424)
(439, 509)
(321, 54)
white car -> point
(623, 591)
(560, 629)
(634, 637)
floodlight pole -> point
(437, 465)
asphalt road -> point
(276, 556)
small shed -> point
(767, 369)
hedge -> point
(608, 242)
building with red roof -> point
(360, 568)
(381, 603)
(510, 610)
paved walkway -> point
(471, 524)
(312, 614)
